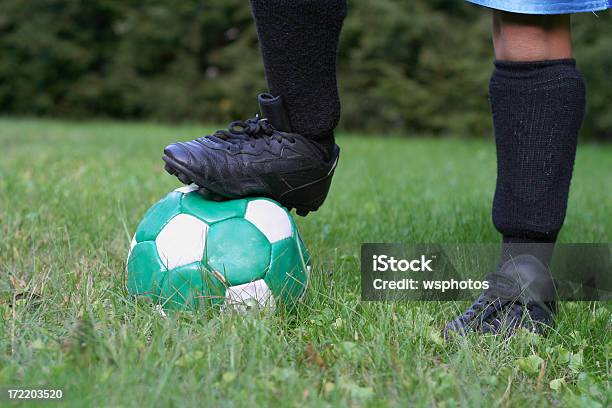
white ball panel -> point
(132, 244)
(255, 293)
(181, 241)
(270, 219)
(187, 189)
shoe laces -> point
(248, 131)
(485, 304)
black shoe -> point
(521, 295)
(257, 157)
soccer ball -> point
(189, 252)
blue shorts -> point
(545, 6)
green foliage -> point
(403, 66)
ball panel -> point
(132, 245)
(298, 237)
(303, 250)
(270, 218)
(287, 277)
(157, 216)
(238, 251)
(187, 189)
(250, 294)
(145, 270)
(191, 286)
(212, 211)
(181, 241)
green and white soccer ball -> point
(190, 252)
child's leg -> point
(299, 42)
(526, 37)
(537, 99)
(291, 152)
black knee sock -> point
(299, 41)
(537, 111)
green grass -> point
(72, 193)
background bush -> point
(404, 67)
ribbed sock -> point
(537, 109)
(299, 42)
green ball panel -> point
(236, 249)
(302, 248)
(145, 270)
(212, 211)
(287, 277)
(191, 286)
(158, 216)
(298, 238)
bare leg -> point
(525, 37)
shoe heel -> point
(310, 196)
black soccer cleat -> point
(490, 315)
(257, 157)
(521, 295)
